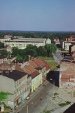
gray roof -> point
(14, 74)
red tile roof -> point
(46, 65)
(32, 63)
(30, 70)
(18, 67)
(6, 66)
(40, 63)
(29, 67)
(68, 71)
(34, 74)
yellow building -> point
(36, 82)
(35, 75)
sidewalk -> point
(61, 110)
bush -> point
(47, 111)
(64, 104)
(55, 94)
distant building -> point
(67, 74)
(8, 49)
(5, 38)
(65, 45)
(21, 43)
(56, 41)
(69, 41)
(72, 49)
(48, 41)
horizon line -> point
(35, 31)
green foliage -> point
(51, 62)
(3, 53)
(31, 47)
(20, 58)
(55, 94)
(47, 111)
(15, 51)
(42, 51)
(20, 54)
(50, 48)
(1, 45)
(33, 51)
(64, 104)
(3, 95)
(51, 35)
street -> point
(37, 103)
(43, 98)
(47, 98)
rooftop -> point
(14, 74)
(68, 70)
(29, 69)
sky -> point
(37, 15)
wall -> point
(66, 45)
(6, 84)
(36, 82)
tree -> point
(15, 51)
(3, 95)
(31, 47)
(21, 58)
(1, 45)
(31, 50)
(3, 53)
(42, 51)
(51, 48)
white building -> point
(5, 38)
(48, 41)
(21, 43)
(65, 45)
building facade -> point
(36, 77)
(21, 43)
(15, 83)
(67, 74)
(21, 79)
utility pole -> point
(27, 108)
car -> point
(27, 98)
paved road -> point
(43, 99)
(37, 103)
